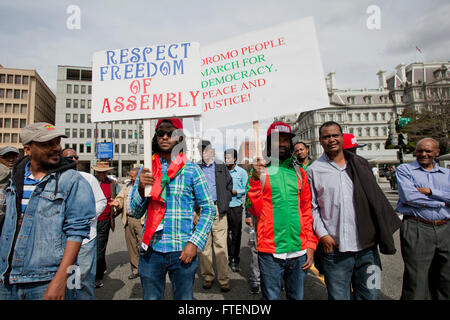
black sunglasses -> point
(162, 133)
(71, 158)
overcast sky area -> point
(34, 34)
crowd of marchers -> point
(181, 217)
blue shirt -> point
(332, 202)
(188, 187)
(29, 184)
(240, 179)
(210, 174)
(411, 202)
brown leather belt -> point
(433, 222)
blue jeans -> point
(153, 267)
(23, 291)
(87, 261)
(361, 269)
(273, 270)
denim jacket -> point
(60, 209)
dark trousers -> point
(234, 217)
(426, 254)
(102, 240)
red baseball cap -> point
(351, 142)
(176, 122)
(280, 127)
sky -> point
(35, 35)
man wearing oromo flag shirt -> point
(280, 199)
(170, 238)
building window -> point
(75, 103)
(67, 132)
(2, 78)
(10, 78)
(116, 148)
(89, 118)
(82, 103)
(89, 89)
(375, 131)
(124, 134)
(16, 108)
(124, 148)
(359, 132)
(88, 133)
(24, 94)
(375, 116)
(89, 104)
(16, 94)
(18, 79)
(9, 93)
(88, 149)
(358, 117)
(81, 146)
(8, 108)
(23, 123)
(75, 118)
(377, 146)
(1, 123)
(2, 93)
(366, 116)
(25, 80)
(6, 138)
(15, 123)
(69, 88)
(23, 108)
(130, 134)
(81, 133)
(7, 123)
(75, 88)
(368, 132)
(369, 147)
(82, 118)
(83, 89)
(68, 102)
(384, 131)
(67, 117)
(109, 133)
(74, 147)
(14, 138)
(74, 133)
(103, 133)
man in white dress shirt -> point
(87, 256)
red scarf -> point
(157, 206)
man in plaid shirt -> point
(174, 239)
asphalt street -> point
(118, 287)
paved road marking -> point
(317, 274)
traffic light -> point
(402, 140)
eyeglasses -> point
(71, 158)
(162, 133)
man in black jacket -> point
(352, 217)
(220, 185)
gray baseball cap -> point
(39, 132)
(8, 149)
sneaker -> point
(254, 288)
(98, 283)
(207, 285)
(235, 267)
(225, 287)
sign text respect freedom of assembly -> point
(255, 76)
(146, 82)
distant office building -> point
(24, 99)
(369, 113)
(73, 115)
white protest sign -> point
(146, 82)
(263, 74)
